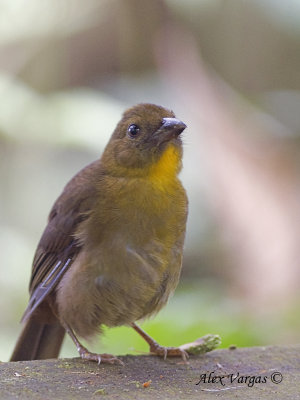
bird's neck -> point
(161, 174)
(164, 172)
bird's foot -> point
(159, 350)
(99, 358)
(87, 355)
(165, 352)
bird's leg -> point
(159, 350)
(87, 355)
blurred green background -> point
(230, 69)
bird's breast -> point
(131, 257)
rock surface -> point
(273, 373)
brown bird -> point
(111, 253)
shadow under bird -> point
(111, 253)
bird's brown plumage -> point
(112, 250)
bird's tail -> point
(38, 341)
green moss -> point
(100, 392)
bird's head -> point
(146, 142)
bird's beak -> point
(170, 129)
(174, 125)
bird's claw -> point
(99, 358)
(165, 352)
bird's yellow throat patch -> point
(164, 172)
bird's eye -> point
(133, 130)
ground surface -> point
(171, 379)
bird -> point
(111, 252)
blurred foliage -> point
(69, 68)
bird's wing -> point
(58, 248)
